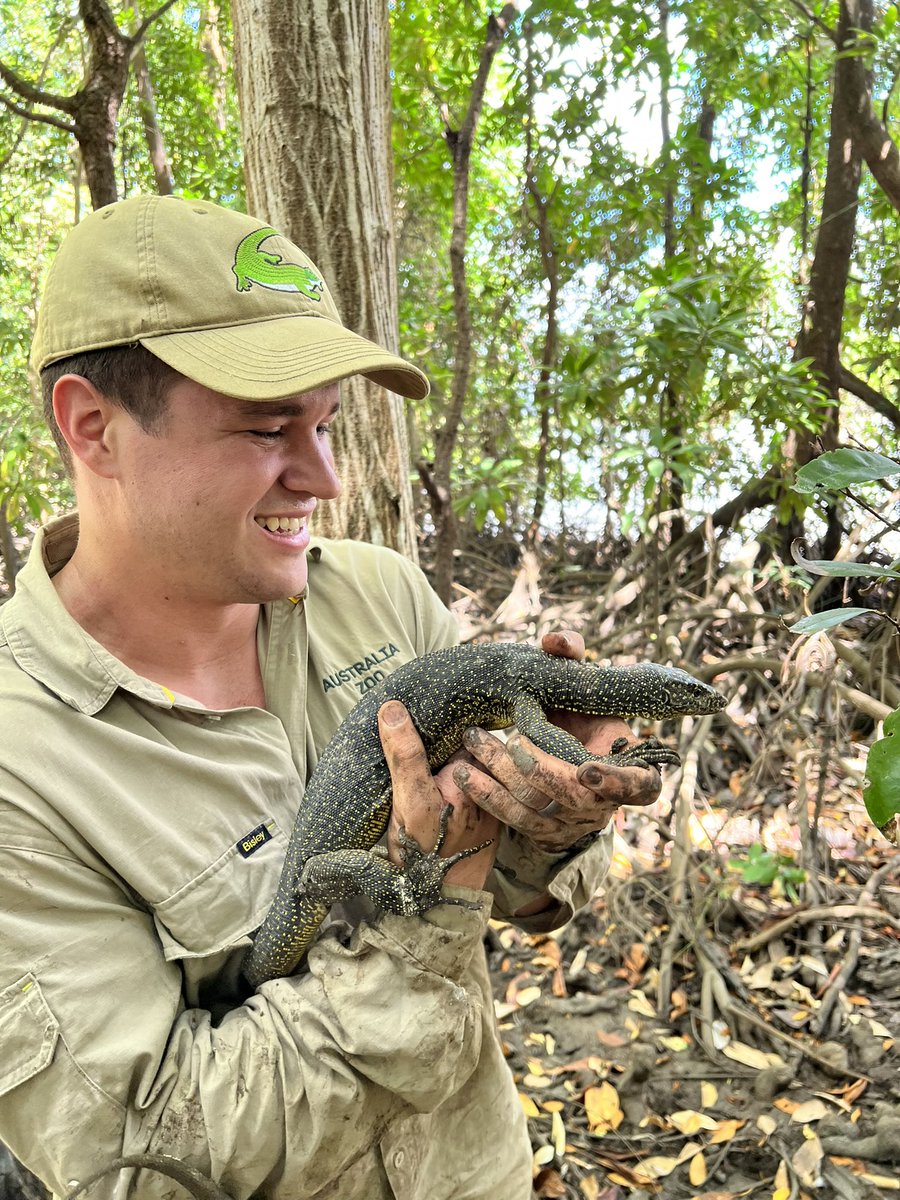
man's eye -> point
(266, 433)
(323, 430)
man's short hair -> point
(129, 376)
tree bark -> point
(90, 114)
(314, 94)
(156, 146)
(820, 332)
(875, 143)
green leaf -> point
(839, 469)
(882, 786)
(827, 620)
(827, 566)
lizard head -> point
(644, 690)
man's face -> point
(217, 501)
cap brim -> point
(270, 360)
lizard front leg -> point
(531, 720)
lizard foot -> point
(424, 871)
(409, 891)
(649, 753)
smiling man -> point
(175, 658)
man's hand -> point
(547, 800)
(419, 797)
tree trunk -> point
(460, 142)
(156, 146)
(820, 332)
(314, 93)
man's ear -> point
(83, 415)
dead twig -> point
(818, 912)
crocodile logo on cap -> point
(268, 270)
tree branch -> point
(32, 94)
(865, 392)
(30, 115)
(875, 143)
(138, 36)
(830, 33)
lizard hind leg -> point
(409, 891)
(424, 871)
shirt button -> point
(399, 1158)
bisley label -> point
(253, 840)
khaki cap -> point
(216, 294)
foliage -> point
(882, 793)
(767, 869)
(833, 472)
(488, 488)
(837, 471)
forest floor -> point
(723, 1020)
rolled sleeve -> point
(523, 872)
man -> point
(174, 660)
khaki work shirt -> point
(141, 842)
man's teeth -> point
(279, 524)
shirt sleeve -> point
(523, 872)
(281, 1093)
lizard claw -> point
(424, 871)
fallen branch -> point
(818, 912)
(848, 966)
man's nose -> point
(311, 469)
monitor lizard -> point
(347, 803)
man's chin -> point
(267, 591)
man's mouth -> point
(280, 524)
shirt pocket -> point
(30, 1032)
(221, 906)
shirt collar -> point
(49, 644)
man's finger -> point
(407, 761)
(564, 643)
(621, 785)
(493, 797)
(532, 776)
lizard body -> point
(347, 803)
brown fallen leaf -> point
(725, 1131)
(657, 1166)
(549, 1185)
(697, 1172)
(807, 1162)
(679, 1004)
(810, 1110)
(689, 1122)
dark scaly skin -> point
(347, 804)
(192, 1180)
